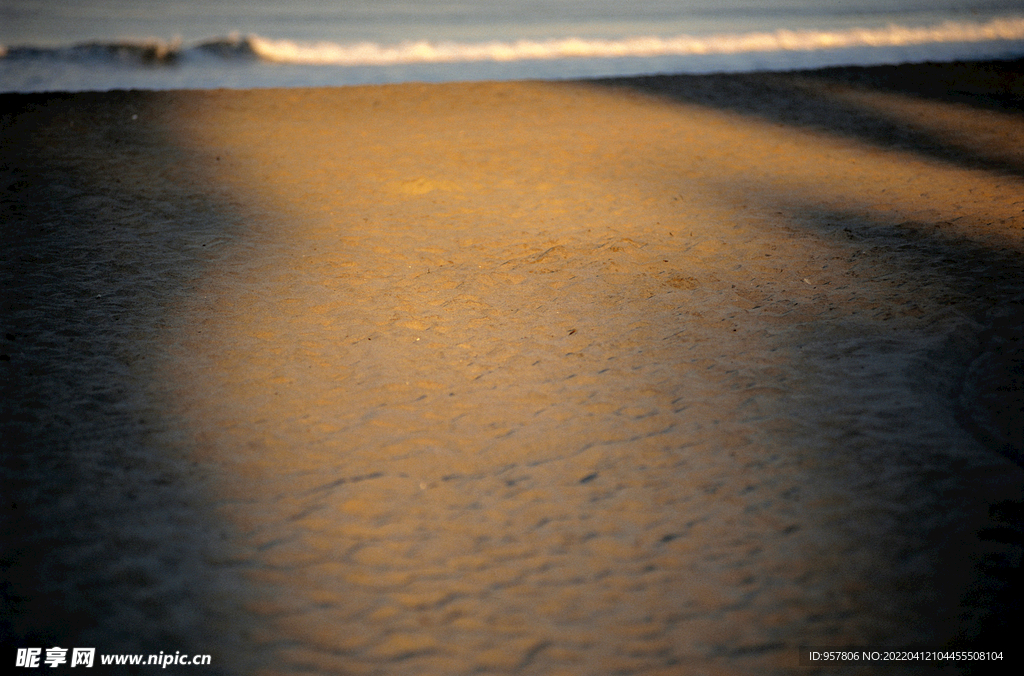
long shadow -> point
(984, 281)
(103, 533)
(985, 85)
(987, 393)
(808, 99)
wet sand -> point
(648, 376)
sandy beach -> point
(665, 375)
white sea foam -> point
(370, 53)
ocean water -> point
(76, 45)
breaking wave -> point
(411, 52)
(286, 51)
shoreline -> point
(247, 75)
(515, 377)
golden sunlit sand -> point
(647, 376)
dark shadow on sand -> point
(986, 283)
(103, 534)
(987, 397)
(806, 99)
